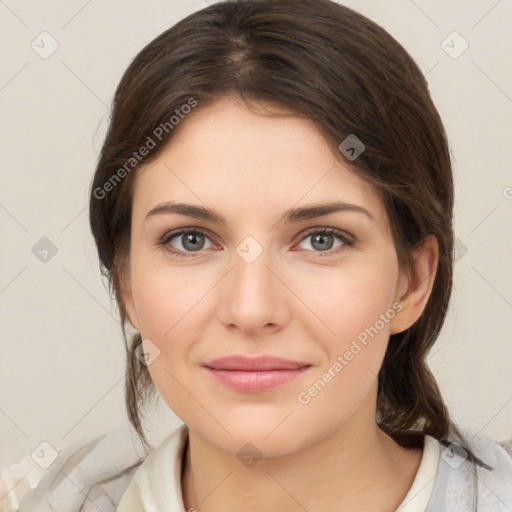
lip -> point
(254, 374)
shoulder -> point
(463, 484)
(162, 466)
(494, 481)
(88, 475)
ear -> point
(128, 301)
(413, 290)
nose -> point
(253, 298)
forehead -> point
(229, 156)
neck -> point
(357, 467)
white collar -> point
(418, 496)
(151, 491)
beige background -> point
(61, 370)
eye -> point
(189, 241)
(323, 239)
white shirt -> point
(149, 490)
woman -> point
(273, 208)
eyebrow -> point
(289, 216)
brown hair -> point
(327, 63)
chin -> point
(258, 435)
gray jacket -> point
(464, 486)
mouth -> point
(253, 375)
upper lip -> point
(261, 363)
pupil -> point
(322, 238)
(192, 239)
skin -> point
(292, 301)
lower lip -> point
(255, 381)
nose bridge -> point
(254, 298)
(251, 277)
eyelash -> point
(348, 240)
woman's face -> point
(266, 282)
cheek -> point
(348, 300)
(355, 306)
(167, 299)
(170, 307)
(350, 358)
